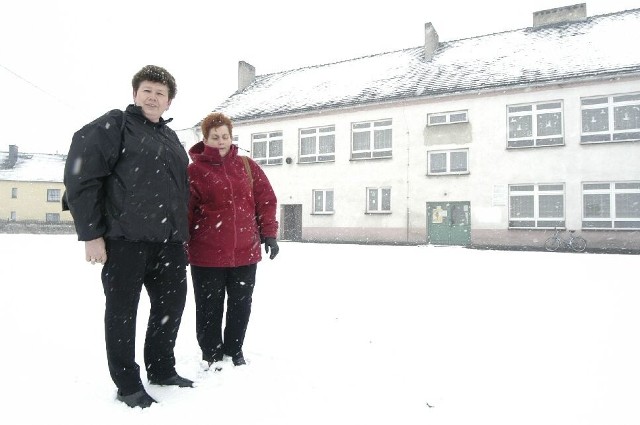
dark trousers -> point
(161, 269)
(209, 286)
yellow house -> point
(31, 187)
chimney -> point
(576, 12)
(430, 41)
(246, 75)
(13, 156)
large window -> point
(317, 144)
(323, 201)
(535, 125)
(371, 139)
(448, 162)
(536, 206)
(53, 195)
(611, 205)
(611, 118)
(378, 200)
(266, 148)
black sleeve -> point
(93, 153)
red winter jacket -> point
(227, 217)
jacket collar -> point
(205, 153)
(137, 112)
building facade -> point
(488, 141)
(31, 188)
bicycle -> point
(576, 243)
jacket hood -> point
(205, 153)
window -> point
(611, 118)
(318, 144)
(535, 125)
(323, 201)
(536, 206)
(13, 216)
(611, 205)
(266, 148)
(378, 200)
(447, 118)
(53, 195)
(52, 217)
(14, 192)
(364, 133)
(448, 162)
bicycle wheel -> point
(552, 244)
(578, 244)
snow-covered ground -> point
(345, 334)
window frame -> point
(318, 133)
(537, 109)
(325, 210)
(609, 102)
(612, 221)
(537, 220)
(447, 153)
(52, 217)
(270, 138)
(372, 128)
(54, 195)
(380, 196)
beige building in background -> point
(31, 187)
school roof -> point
(32, 167)
(593, 47)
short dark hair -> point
(215, 120)
(156, 74)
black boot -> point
(139, 399)
(176, 380)
(238, 359)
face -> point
(220, 138)
(153, 98)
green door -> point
(449, 223)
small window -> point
(535, 125)
(52, 217)
(378, 200)
(53, 195)
(323, 201)
(13, 216)
(448, 162)
(14, 192)
(447, 118)
(266, 148)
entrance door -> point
(291, 220)
(449, 223)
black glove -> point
(271, 244)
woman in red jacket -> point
(232, 209)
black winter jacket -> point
(128, 182)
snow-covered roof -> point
(33, 167)
(596, 46)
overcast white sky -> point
(64, 63)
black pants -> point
(161, 268)
(209, 287)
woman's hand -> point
(271, 244)
(95, 251)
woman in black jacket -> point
(127, 190)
